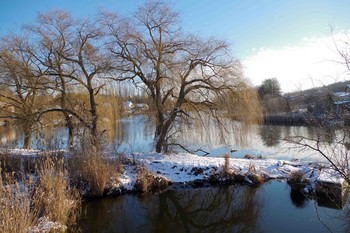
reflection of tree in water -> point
(229, 209)
(322, 134)
(270, 135)
(7, 135)
(298, 198)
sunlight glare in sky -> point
(313, 63)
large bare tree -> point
(184, 76)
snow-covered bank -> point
(189, 167)
(186, 167)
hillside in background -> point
(334, 87)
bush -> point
(147, 181)
(296, 180)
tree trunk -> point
(162, 132)
(67, 118)
(94, 117)
(27, 138)
(70, 132)
(159, 144)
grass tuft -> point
(227, 165)
(296, 180)
(147, 181)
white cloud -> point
(313, 63)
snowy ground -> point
(186, 167)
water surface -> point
(135, 134)
(268, 208)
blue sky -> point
(251, 27)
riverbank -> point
(152, 172)
(186, 167)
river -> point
(271, 207)
(135, 134)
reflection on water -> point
(136, 135)
(7, 135)
(270, 135)
(267, 208)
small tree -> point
(73, 55)
(269, 86)
(20, 85)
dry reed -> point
(15, 214)
(94, 172)
(53, 197)
(227, 165)
(147, 181)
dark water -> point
(268, 208)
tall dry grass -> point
(227, 165)
(92, 172)
(15, 212)
(147, 181)
(53, 197)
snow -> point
(182, 167)
(341, 94)
(47, 226)
(330, 176)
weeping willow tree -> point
(185, 77)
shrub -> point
(296, 180)
(147, 181)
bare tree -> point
(50, 36)
(72, 52)
(89, 62)
(20, 84)
(183, 75)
